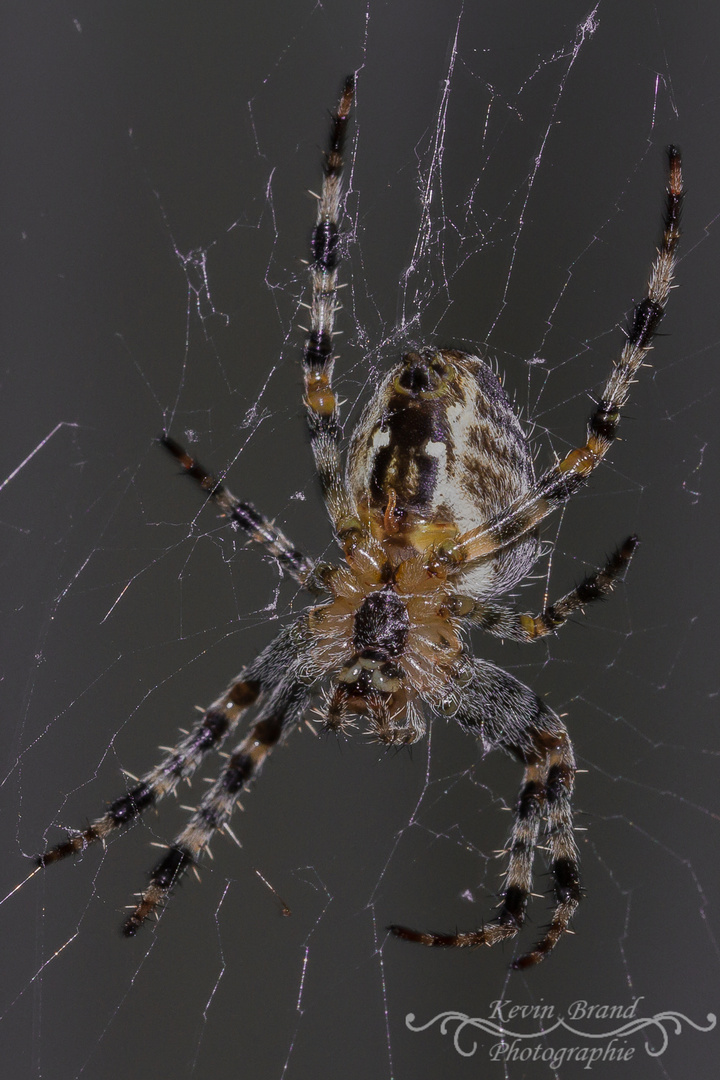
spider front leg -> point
(506, 714)
(560, 843)
(505, 623)
(244, 514)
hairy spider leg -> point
(244, 514)
(180, 763)
(536, 736)
(518, 878)
(562, 850)
(506, 623)
(209, 733)
(321, 404)
(558, 484)
(284, 708)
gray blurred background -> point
(143, 143)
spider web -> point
(504, 191)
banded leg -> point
(318, 359)
(504, 713)
(562, 851)
(209, 733)
(512, 625)
(244, 514)
(284, 708)
(518, 879)
(558, 484)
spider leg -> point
(506, 714)
(320, 401)
(562, 850)
(518, 879)
(285, 706)
(244, 514)
(558, 484)
(506, 623)
(209, 733)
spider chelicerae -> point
(437, 514)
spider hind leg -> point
(180, 763)
(530, 732)
(284, 707)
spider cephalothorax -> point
(393, 622)
(437, 515)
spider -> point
(436, 513)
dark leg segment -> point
(504, 713)
(505, 623)
(244, 514)
(518, 881)
(286, 706)
(562, 850)
(318, 359)
(218, 721)
(208, 734)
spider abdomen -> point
(439, 451)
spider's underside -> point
(437, 514)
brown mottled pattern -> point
(486, 461)
(440, 433)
